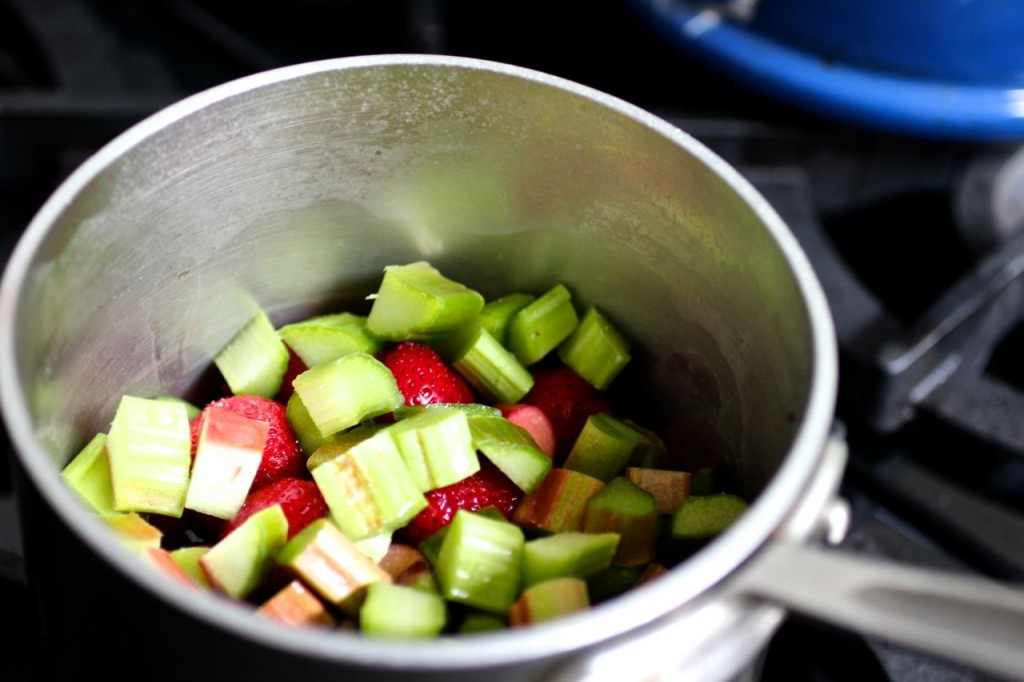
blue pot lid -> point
(929, 106)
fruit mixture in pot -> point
(443, 464)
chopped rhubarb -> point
(624, 508)
(331, 564)
(237, 565)
(539, 327)
(401, 611)
(134, 531)
(161, 560)
(667, 487)
(88, 474)
(416, 301)
(559, 502)
(187, 559)
(228, 455)
(596, 349)
(149, 451)
(567, 554)
(296, 605)
(511, 449)
(480, 562)
(548, 600)
(254, 361)
(368, 487)
(344, 392)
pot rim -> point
(678, 589)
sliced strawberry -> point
(300, 499)
(423, 376)
(486, 488)
(567, 399)
(282, 455)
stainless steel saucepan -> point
(290, 190)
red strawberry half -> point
(300, 499)
(282, 455)
(423, 376)
(486, 488)
(567, 399)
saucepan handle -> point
(966, 619)
(961, 619)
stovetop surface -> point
(876, 212)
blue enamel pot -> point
(949, 69)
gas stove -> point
(915, 240)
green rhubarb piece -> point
(477, 621)
(430, 547)
(416, 301)
(491, 369)
(549, 600)
(88, 475)
(331, 565)
(510, 448)
(191, 409)
(368, 487)
(497, 313)
(375, 546)
(187, 559)
(612, 581)
(471, 409)
(134, 531)
(480, 562)
(558, 503)
(596, 349)
(229, 451)
(254, 361)
(344, 392)
(342, 441)
(160, 560)
(305, 429)
(604, 447)
(668, 487)
(149, 451)
(323, 338)
(704, 517)
(624, 508)
(570, 553)
(400, 611)
(653, 454)
(437, 447)
(704, 481)
(538, 328)
(241, 561)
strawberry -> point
(488, 487)
(300, 499)
(423, 376)
(282, 455)
(567, 399)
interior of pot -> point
(292, 192)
